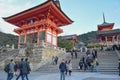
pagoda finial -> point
(57, 3)
(103, 18)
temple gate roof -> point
(42, 11)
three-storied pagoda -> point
(40, 23)
(106, 33)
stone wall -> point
(37, 55)
(42, 55)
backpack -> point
(6, 68)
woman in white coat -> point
(69, 67)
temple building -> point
(106, 34)
(39, 23)
(72, 38)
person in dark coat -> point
(72, 54)
(119, 66)
(21, 70)
(62, 68)
(16, 67)
(81, 64)
(88, 52)
(75, 54)
(95, 53)
(56, 60)
(11, 70)
(83, 59)
(26, 69)
(85, 66)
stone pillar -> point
(13, 47)
(113, 38)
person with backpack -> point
(10, 68)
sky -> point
(86, 14)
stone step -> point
(107, 60)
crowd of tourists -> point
(87, 62)
(18, 69)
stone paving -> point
(75, 76)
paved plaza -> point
(75, 76)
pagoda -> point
(106, 33)
(40, 23)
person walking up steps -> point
(71, 53)
(56, 60)
(75, 54)
(62, 68)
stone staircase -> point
(49, 67)
(4, 56)
(7, 55)
(108, 63)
